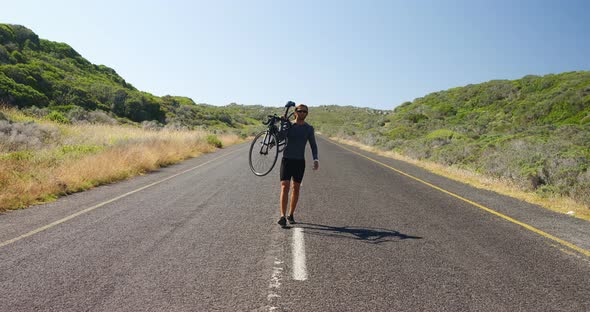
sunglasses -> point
(301, 111)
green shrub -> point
(401, 132)
(443, 134)
(57, 117)
(457, 152)
(4, 55)
(21, 95)
(79, 150)
(213, 140)
(416, 118)
(20, 155)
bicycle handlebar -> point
(274, 118)
(271, 119)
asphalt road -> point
(202, 236)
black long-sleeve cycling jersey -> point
(298, 135)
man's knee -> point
(285, 186)
(296, 186)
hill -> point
(534, 131)
(53, 77)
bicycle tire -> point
(263, 153)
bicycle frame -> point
(273, 129)
(268, 143)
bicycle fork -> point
(266, 145)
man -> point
(293, 162)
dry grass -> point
(558, 204)
(91, 155)
(230, 139)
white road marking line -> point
(299, 266)
(275, 279)
(275, 282)
(60, 221)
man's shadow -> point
(367, 235)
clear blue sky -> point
(363, 53)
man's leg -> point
(285, 185)
(294, 197)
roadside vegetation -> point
(67, 125)
(561, 204)
(532, 134)
(41, 159)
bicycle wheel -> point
(263, 153)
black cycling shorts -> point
(292, 168)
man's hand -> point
(316, 164)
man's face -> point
(301, 113)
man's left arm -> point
(314, 150)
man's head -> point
(301, 111)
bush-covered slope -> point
(42, 73)
(534, 131)
(54, 78)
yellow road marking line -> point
(60, 221)
(526, 226)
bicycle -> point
(267, 144)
